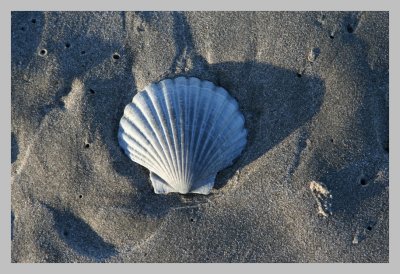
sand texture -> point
(312, 184)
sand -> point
(312, 184)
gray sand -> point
(312, 184)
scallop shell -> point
(184, 130)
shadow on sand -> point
(274, 101)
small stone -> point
(313, 54)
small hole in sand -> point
(115, 56)
(43, 52)
(298, 75)
(92, 91)
(23, 29)
(192, 220)
(350, 28)
(363, 181)
(67, 45)
(331, 36)
(331, 140)
(33, 21)
(83, 52)
(80, 196)
(369, 228)
(87, 145)
(65, 233)
(61, 104)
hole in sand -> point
(67, 45)
(33, 21)
(192, 220)
(87, 145)
(331, 140)
(83, 52)
(22, 28)
(65, 233)
(92, 91)
(115, 56)
(350, 28)
(298, 75)
(363, 181)
(42, 52)
(369, 228)
(331, 36)
(80, 196)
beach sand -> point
(312, 184)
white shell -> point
(184, 131)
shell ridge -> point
(171, 122)
(160, 124)
(175, 123)
(143, 141)
(197, 129)
(129, 126)
(218, 160)
(194, 111)
(184, 130)
(191, 97)
(216, 141)
(222, 144)
(208, 88)
(233, 154)
(177, 107)
(186, 127)
(146, 127)
(141, 160)
(207, 148)
(139, 155)
(181, 128)
(154, 127)
(218, 145)
(226, 130)
(165, 111)
(204, 118)
(178, 90)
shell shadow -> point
(274, 101)
(79, 236)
